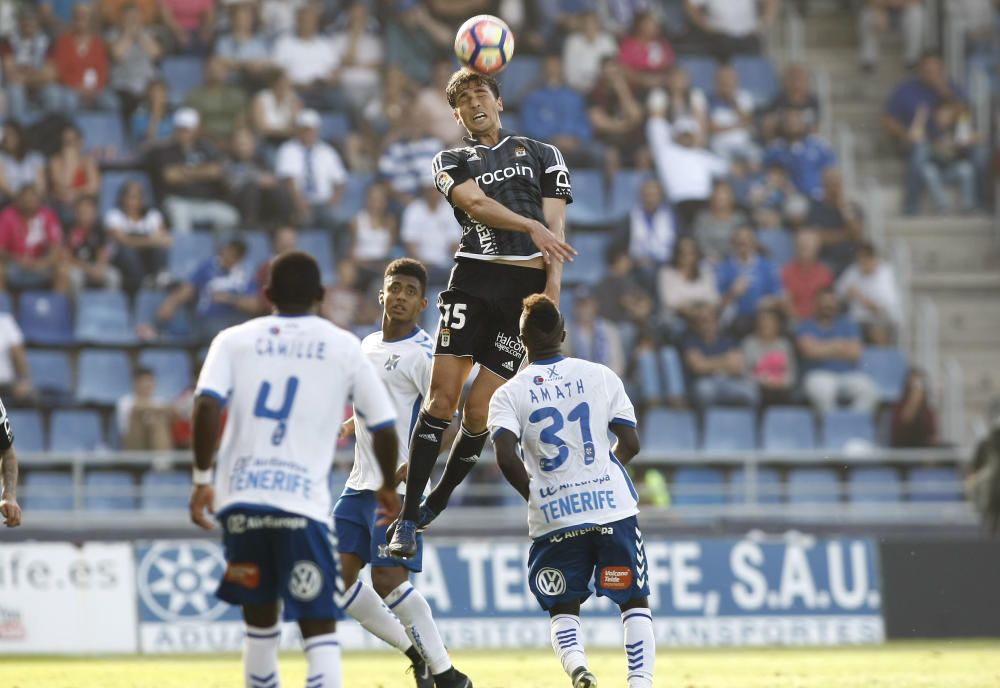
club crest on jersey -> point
(520, 150)
(445, 337)
(392, 362)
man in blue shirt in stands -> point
(746, 280)
(830, 351)
(715, 364)
(802, 154)
(557, 114)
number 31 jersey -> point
(560, 410)
(286, 381)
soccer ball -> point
(484, 44)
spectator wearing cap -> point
(31, 241)
(429, 231)
(556, 113)
(222, 288)
(593, 338)
(189, 174)
(731, 27)
(871, 291)
(80, 60)
(686, 171)
(714, 363)
(747, 281)
(311, 61)
(804, 156)
(221, 105)
(28, 78)
(805, 276)
(312, 170)
(829, 347)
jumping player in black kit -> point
(510, 194)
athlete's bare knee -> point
(475, 415)
(443, 403)
(385, 579)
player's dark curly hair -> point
(294, 283)
(543, 323)
(409, 267)
(463, 79)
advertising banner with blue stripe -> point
(795, 590)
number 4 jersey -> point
(287, 381)
(560, 409)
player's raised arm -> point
(481, 208)
(9, 508)
(554, 210)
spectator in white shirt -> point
(872, 295)
(277, 17)
(430, 232)
(15, 380)
(731, 26)
(584, 51)
(730, 115)
(359, 50)
(651, 232)
(686, 171)
(313, 171)
(140, 236)
(311, 61)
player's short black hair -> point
(464, 78)
(542, 322)
(409, 267)
(293, 282)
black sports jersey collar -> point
(504, 135)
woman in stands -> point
(74, 173)
(685, 283)
(914, 420)
(140, 237)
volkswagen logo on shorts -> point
(306, 581)
(550, 582)
(177, 581)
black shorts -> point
(480, 313)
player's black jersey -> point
(518, 173)
(6, 431)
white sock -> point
(640, 647)
(323, 657)
(364, 605)
(260, 657)
(409, 605)
(566, 642)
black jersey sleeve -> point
(450, 168)
(555, 174)
(6, 431)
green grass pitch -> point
(897, 665)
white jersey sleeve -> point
(503, 413)
(371, 401)
(622, 411)
(216, 378)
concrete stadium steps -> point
(829, 28)
(980, 373)
(947, 244)
(969, 319)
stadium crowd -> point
(161, 150)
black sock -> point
(425, 445)
(463, 456)
(415, 657)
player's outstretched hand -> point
(347, 429)
(202, 498)
(11, 512)
(389, 505)
(550, 245)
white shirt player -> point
(286, 381)
(560, 409)
(404, 366)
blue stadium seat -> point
(51, 373)
(5, 304)
(888, 368)
(187, 250)
(770, 488)
(45, 318)
(669, 430)
(48, 491)
(673, 368)
(75, 430)
(104, 377)
(103, 317)
(103, 135)
(757, 75)
(317, 243)
(729, 429)
(113, 180)
(779, 244)
(178, 329)
(29, 435)
(518, 79)
(334, 126)
(874, 484)
(165, 490)
(625, 193)
(934, 485)
(588, 265)
(258, 247)
(788, 428)
(842, 427)
(590, 200)
(813, 486)
(696, 486)
(353, 198)
(182, 74)
(172, 368)
(700, 69)
(109, 491)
